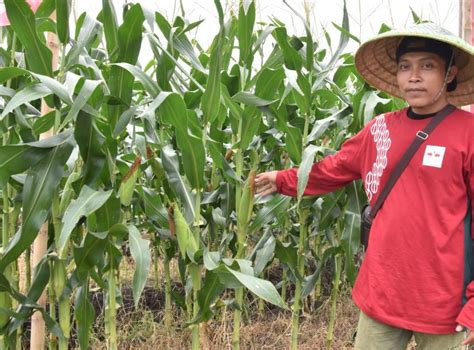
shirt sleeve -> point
(332, 172)
(466, 317)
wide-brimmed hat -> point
(376, 60)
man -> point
(415, 279)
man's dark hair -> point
(418, 44)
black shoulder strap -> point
(421, 136)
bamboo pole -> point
(40, 245)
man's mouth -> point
(414, 90)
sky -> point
(365, 16)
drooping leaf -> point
(262, 288)
(28, 94)
(149, 84)
(305, 168)
(88, 201)
(7, 73)
(139, 248)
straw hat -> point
(375, 60)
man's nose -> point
(414, 75)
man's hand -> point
(265, 183)
(470, 335)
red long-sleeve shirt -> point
(417, 272)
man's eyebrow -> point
(422, 58)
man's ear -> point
(453, 71)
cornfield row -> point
(160, 159)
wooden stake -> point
(40, 245)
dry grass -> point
(270, 329)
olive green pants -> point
(373, 335)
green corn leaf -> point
(173, 111)
(268, 83)
(212, 94)
(129, 43)
(207, 295)
(351, 234)
(250, 124)
(153, 206)
(109, 18)
(15, 159)
(310, 281)
(7, 73)
(80, 101)
(221, 163)
(41, 182)
(264, 255)
(63, 9)
(287, 254)
(22, 19)
(294, 140)
(56, 88)
(86, 203)
(139, 248)
(246, 22)
(172, 165)
(291, 56)
(84, 314)
(90, 253)
(262, 288)
(87, 32)
(272, 209)
(306, 164)
(149, 84)
(90, 141)
(106, 217)
(251, 99)
(28, 94)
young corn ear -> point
(187, 242)
(128, 183)
(59, 277)
(64, 308)
(244, 213)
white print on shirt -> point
(434, 156)
(382, 142)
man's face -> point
(420, 78)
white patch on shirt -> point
(382, 143)
(434, 156)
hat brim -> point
(375, 61)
